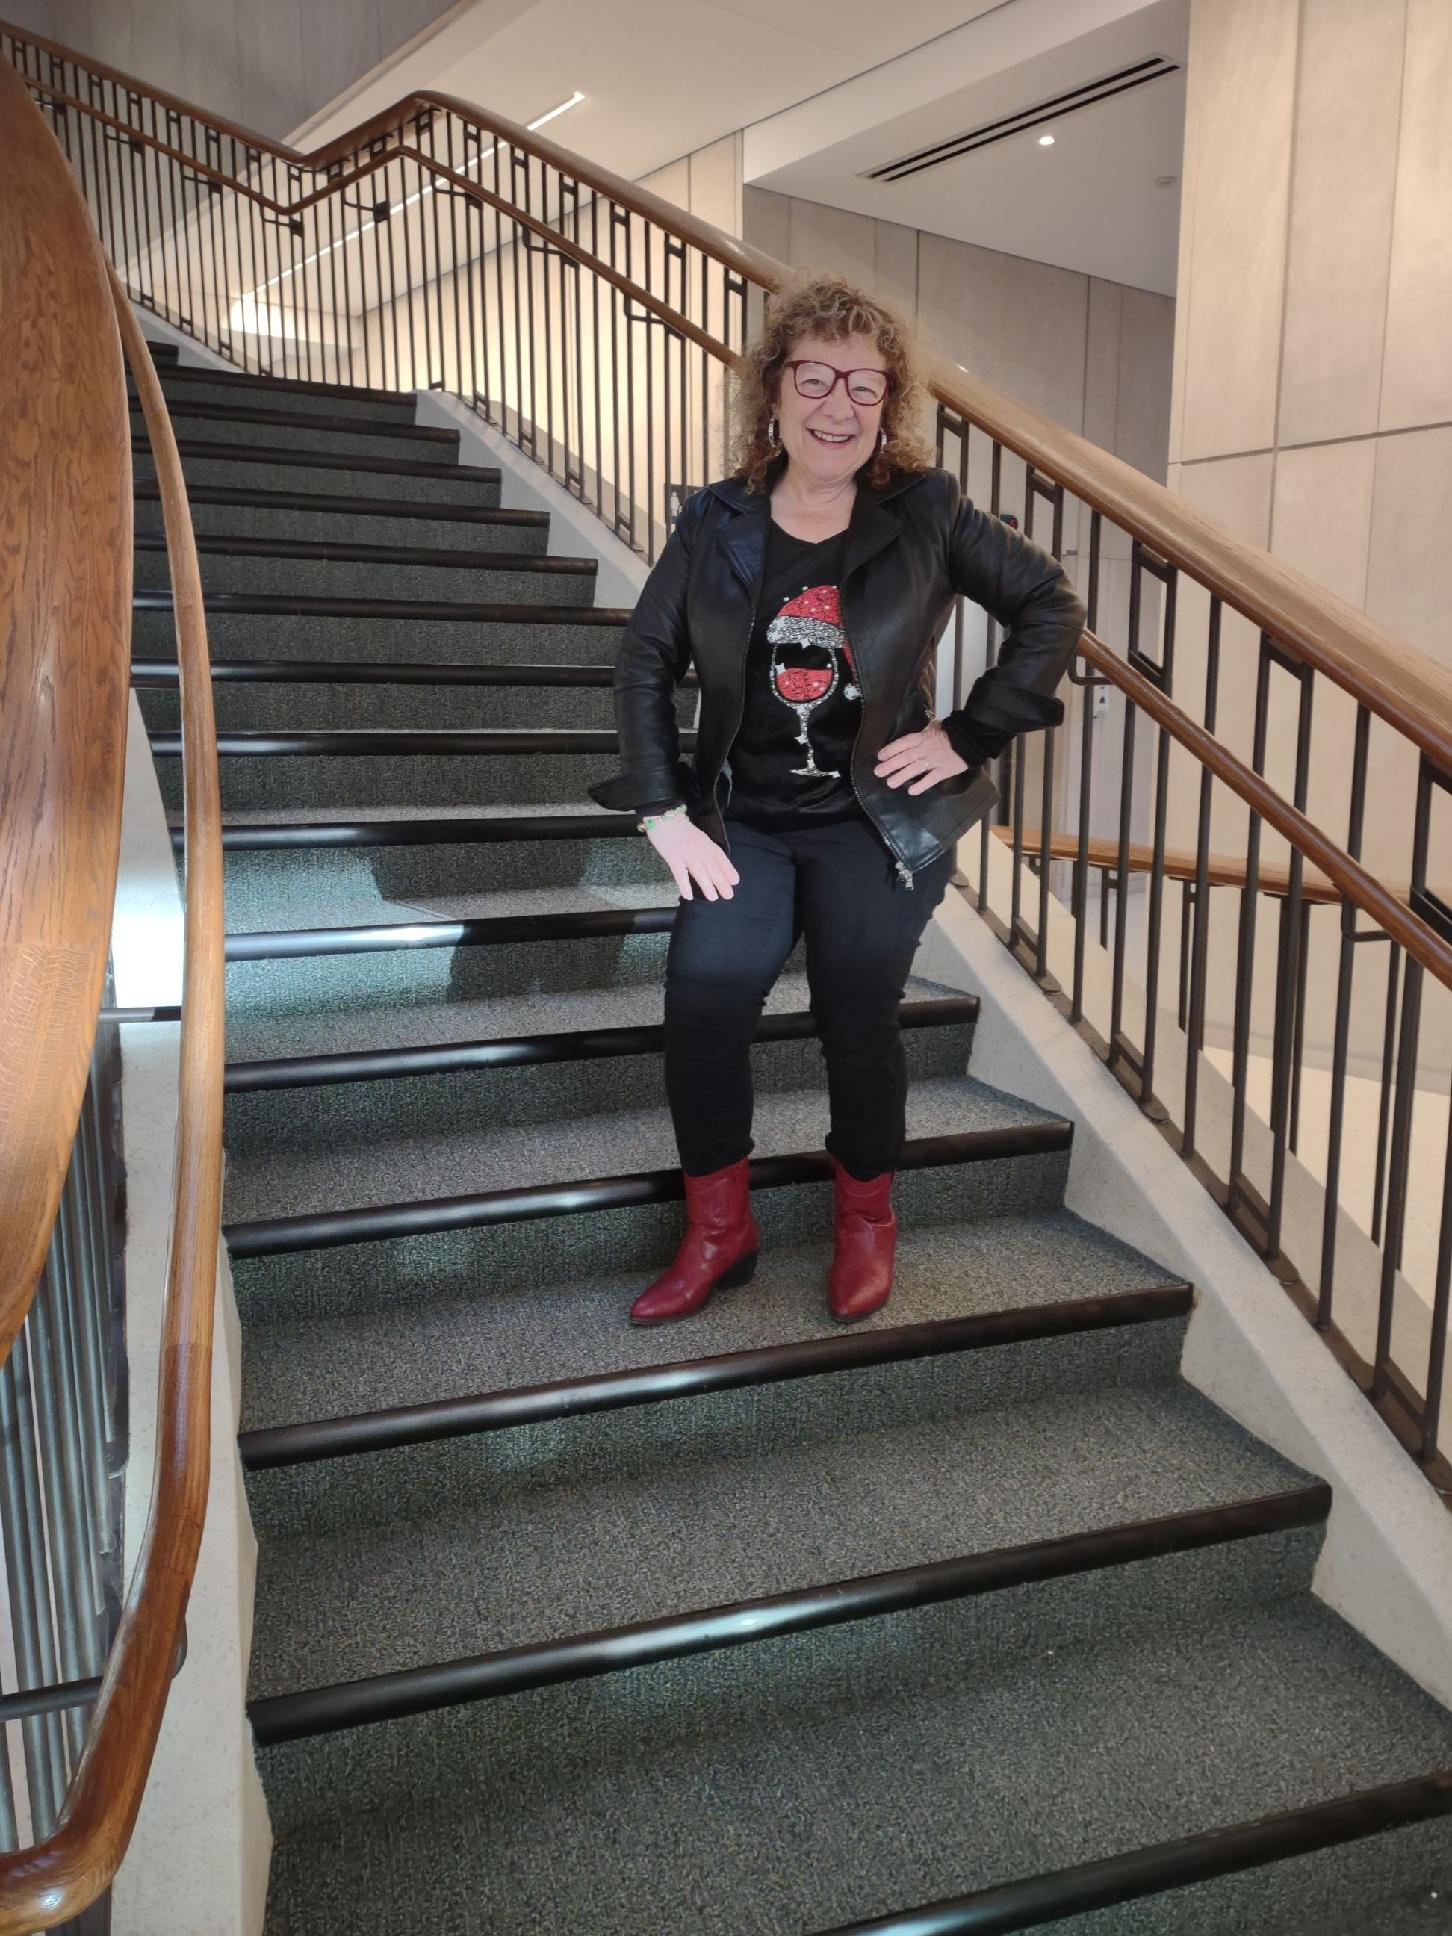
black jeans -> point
(838, 885)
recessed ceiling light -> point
(1046, 141)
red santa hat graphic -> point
(814, 617)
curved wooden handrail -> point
(1406, 688)
(65, 593)
(55, 1879)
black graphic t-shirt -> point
(789, 765)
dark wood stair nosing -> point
(164, 675)
(308, 420)
(296, 458)
(250, 382)
(372, 1223)
(308, 1442)
(404, 742)
(303, 605)
(344, 551)
(471, 830)
(414, 509)
(1029, 1902)
(418, 1690)
(576, 924)
(566, 1045)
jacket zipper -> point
(740, 715)
(904, 872)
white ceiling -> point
(1090, 202)
(829, 88)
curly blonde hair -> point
(814, 303)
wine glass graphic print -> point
(806, 639)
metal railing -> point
(1224, 1071)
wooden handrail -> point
(1401, 685)
(1221, 870)
(65, 592)
(57, 1878)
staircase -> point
(748, 1625)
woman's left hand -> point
(924, 758)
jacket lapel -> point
(871, 527)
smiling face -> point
(828, 439)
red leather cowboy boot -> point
(864, 1233)
(718, 1250)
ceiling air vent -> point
(1053, 109)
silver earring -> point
(882, 439)
(771, 435)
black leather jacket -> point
(912, 546)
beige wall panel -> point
(897, 267)
(1406, 575)
(1146, 339)
(1417, 383)
(834, 238)
(673, 183)
(1020, 325)
(33, 17)
(766, 221)
(1341, 217)
(1102, 362)
(1180, 353)
(715, 184)
(1321, 521)
(1242, 68)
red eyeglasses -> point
(818, 380)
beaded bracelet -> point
(649, 820)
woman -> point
(808, 589)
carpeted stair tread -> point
(296, 514)
(326, 705)
(478, 577)
(544, 1012)
(791, 1499)
(449, 881)
(282, 427)
(521, 635)
(921, 1774)
(617, 1143)
(424, 479)
(420, 1349)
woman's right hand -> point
(693, 856)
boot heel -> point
(741, 1272)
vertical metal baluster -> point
(22, 1516)
(1092, 680)
(1164, 678)
(72, 1584)
(1441, 1310)
(9, 1831)
(1117, 1045)
(1406, 1092)
(1383, 1113)
(1288, 969)
(1245, 964)
(990, 636)
(78, 1288)
(1298, 1044)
